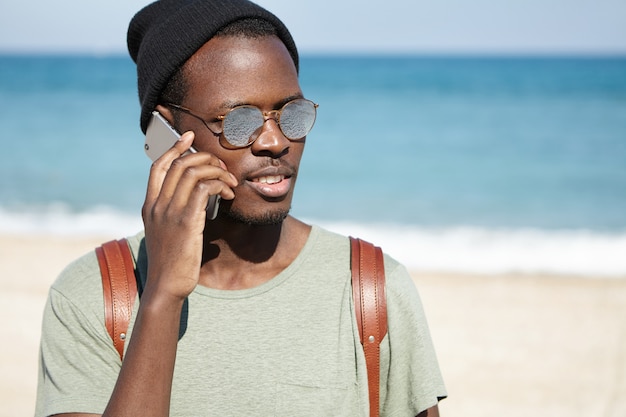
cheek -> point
(211, 144)
(239, 166)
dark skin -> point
(186, 250)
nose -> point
(271, 139)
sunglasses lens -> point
(297, 118)
(240, 125)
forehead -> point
(235, 70)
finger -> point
(197, 183)
(186, 171)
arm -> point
(411, 379)
(431, 412)
(174, 218)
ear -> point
(166, 113)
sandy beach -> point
(512, 345)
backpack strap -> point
(368, 289)
(370, 305)
(119, 286)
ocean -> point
(459, 164)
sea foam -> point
(59, 220)
(456, 249)
(490, 251)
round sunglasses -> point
(242, 125)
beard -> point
(269, 218)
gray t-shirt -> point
(288, 347)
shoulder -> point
(401, 292)
(325, 241)
(79, 279)
(329, 247)
(80, 283)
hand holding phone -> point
(160, 137)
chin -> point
(269, 218)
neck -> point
(249, 243)
(239, 256)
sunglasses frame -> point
(272, 114)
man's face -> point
(231, 71)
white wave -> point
(58, 219)
(491, 251)
(450, 249)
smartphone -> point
(160, 137)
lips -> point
(271, 184)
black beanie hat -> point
(165, 34)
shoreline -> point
(508, 344)
(451, 248)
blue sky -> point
(427, 26)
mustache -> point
(272, 166)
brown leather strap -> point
(119, 288)
(370, 303)
(368, 289)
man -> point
(250, 313)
